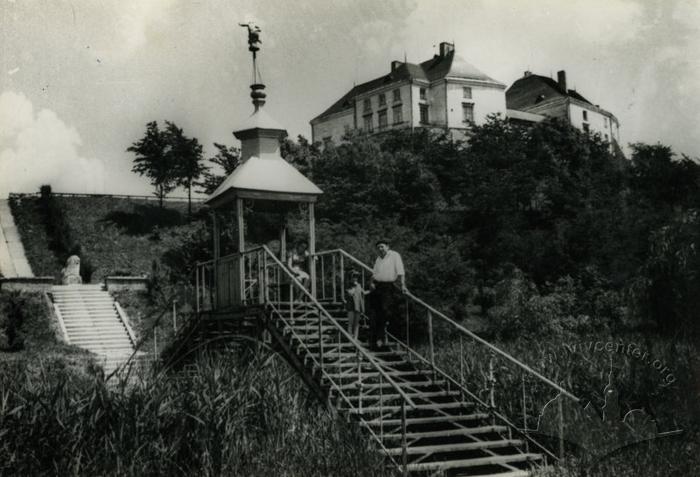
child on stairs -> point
(355, 303)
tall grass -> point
(229, 415)
(586, 373)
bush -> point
(62, 242)
(568, 306)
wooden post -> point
(312, 248)
(283, 242)
(241, 248)
(217, 255)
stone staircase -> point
(91, 319)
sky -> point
(79, 79)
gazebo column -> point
(312, 248)
(283, 241)
(241, 249)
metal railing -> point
(509, 389)
(342, 362)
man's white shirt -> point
(389, 268)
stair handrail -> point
(359, 348)
(462, 329)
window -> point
(424, 114)
(605, 122)
(397, 95)
(468, 112)
(398, 114)
(467, 92)
(382, 100)
(586, 127)
(383, 121)
(368, 105)
(422, 93)
(368, 123)
(327, 139)
(585, 115)
(606, 138)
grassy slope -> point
(119, 236)
(38, 333)
(29, 221)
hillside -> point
(118, 236)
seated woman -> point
(297, 258)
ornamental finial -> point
(254, 42)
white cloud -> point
(40, 148)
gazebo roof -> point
(268, 178)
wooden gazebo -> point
(262, 175)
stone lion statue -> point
(71, 273)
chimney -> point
(395, 64)
(527, 73)
(446, 48)
(561, 79)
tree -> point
(152, 160)
(185, 156)
(227, 159)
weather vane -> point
(254, 43)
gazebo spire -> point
(257, 87)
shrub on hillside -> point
(565, 307)
(24, 321)
(62, 241)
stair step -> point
(389, 385)
(94, 325)
(356, 397)
(448, 433)
(374, 374)
(101, 337)
(430, 420)
(86, 307)
(91, 318)
(418, 407)
(456, 447)
(476, 462)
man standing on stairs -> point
(388, 268)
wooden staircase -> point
(441, 433)
(426, 419)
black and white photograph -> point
(334, 238)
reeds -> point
(225, 415)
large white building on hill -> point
(446, 92)
(443, 92)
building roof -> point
(268, 178)
(532, 89)
(524, 116)
(450, 65)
